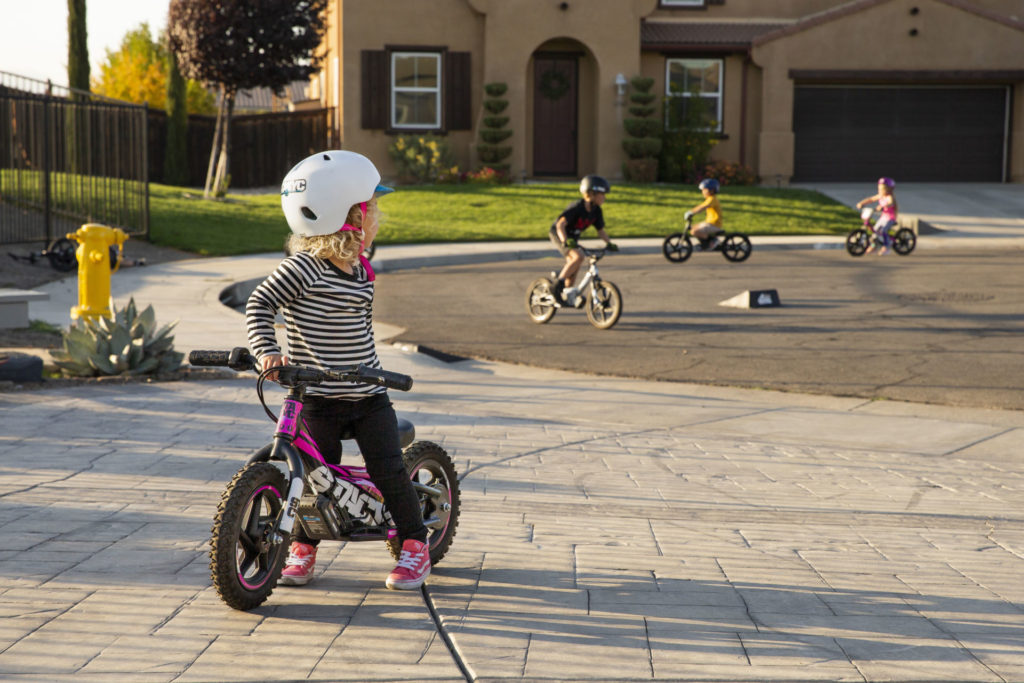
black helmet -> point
(594, 183)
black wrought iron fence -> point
(68, 157)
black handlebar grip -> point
(391, 380)
(214, 358)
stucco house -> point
(802, 90)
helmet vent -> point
(308, 213)
(327, 157)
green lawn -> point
(463, 213)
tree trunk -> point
(215, 147)
(221, 182)
(78, 47)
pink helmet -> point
(888, 182)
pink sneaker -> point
(413, 567)
(298, 570)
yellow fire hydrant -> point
(94, 268)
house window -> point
(415, 90)
(694, 90)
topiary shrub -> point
(644, 134)
(490, 151)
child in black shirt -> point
(565, 231)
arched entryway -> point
(561, 77)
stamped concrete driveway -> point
(939, 326)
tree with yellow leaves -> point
(138, 72)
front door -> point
(554, 114)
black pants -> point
(375, 429)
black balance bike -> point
(677, 247)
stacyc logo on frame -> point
(293, 185)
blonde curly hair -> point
(344, 245)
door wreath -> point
(554, 84)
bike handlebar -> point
(240, 359)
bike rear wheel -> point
(430, 465)
(245, 557)
(904, 241)
(539, 300)
(736, 247)
(677, 247)
(857, 242)
(604, 306)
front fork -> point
(282, 448)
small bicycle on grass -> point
(261, 506)
(677, 247)
(601, 299)
(857, 242)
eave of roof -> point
(692, 36)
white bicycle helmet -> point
(319, 191)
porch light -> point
(620, 84)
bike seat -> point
(406, 432)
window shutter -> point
(375, 89)
(458, 114)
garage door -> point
(911, 134)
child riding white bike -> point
(887, 207)
(325, 292)
(570, 224)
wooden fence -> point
(263, 146)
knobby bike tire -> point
(244, 564)
(604, 306)
(429, 464)
(538, 312)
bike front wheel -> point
(61, 255)
(246, 552)
(677, 247)
(540, 301)
(904, 241)
(604, 305)
(437, 486)
(857, 242)
(736, 247)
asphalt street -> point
(938, 326)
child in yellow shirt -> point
(706, 232)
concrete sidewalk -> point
(611, 529)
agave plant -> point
(127, 343)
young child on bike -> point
(887, 208)
(570, 224)
(324, 291)
(706, 232)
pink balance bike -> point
(261, 506)
(903, 240)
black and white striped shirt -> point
(328, 319)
